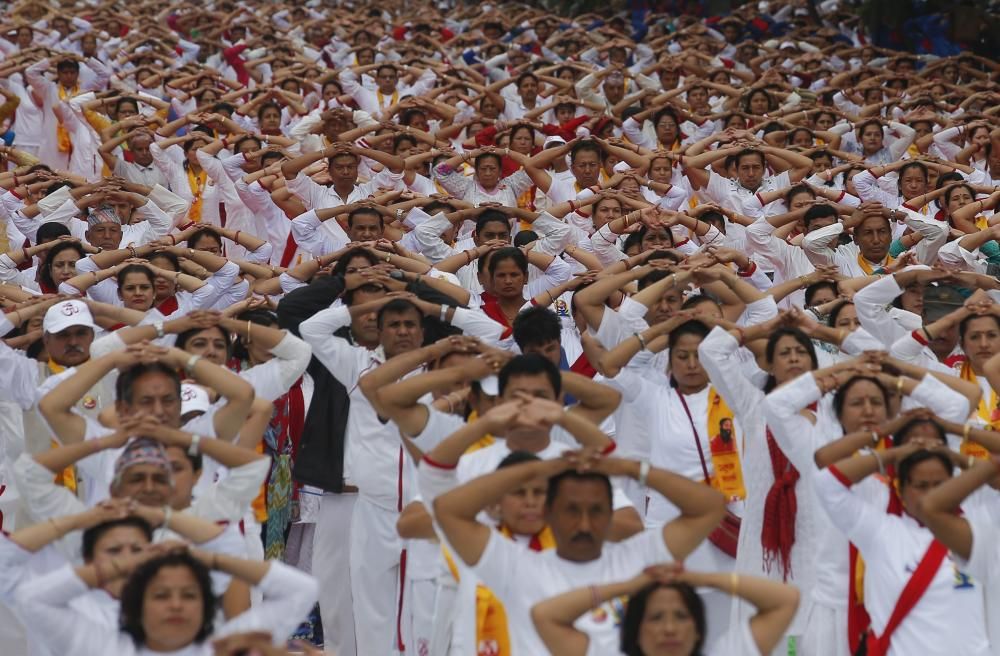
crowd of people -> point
(440, 329)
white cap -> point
(65, 314)
(194, 398)
(554, 139)
(490, 385)
(621, 167)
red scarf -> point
(168, 306)
(583, 367)
(491, 308)
(777, 535)
(289, 252)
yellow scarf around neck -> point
(987, 412)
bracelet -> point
(236, 237)
(572, 207)
(158, 325)
(971, 462)
(167, 514)
(131, 251)
(875, 438)
(734, 582)
(195, 446)
(642, 341)
(249, 340)
(878, 459)
(444, 312)
(387, 256)
(644, 468)
(52, 520)
(743, 336)
(966, 431)
(468, 258)
(595, 599)
(173, 240)
(192, 361)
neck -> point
(530, 442)
(687, 390)
(343, 188)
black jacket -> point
(320, 459)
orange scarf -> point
(728, 477)
(197, 185)
(67, 477)
(987, 411)
(63, 142)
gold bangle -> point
(248, 332)
(966, 431)
(899, 385)
(734, 582)
(971, 462)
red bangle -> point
(236, 238)
(15, 179)
(572, 208)
(27, 255)
(173, 240)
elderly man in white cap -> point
(68, 335)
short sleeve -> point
(501, 564)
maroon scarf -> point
(780, 507)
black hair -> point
(819, 212)
(368, 211)
(135, 268)
(872, 121)
(125, 384)
(772, 345)
(692, 327)
(124, 100)
(817, 287)
(168, 256)
(134, 594)
(480, 158)
(831, 319)
(963, 326)
(436, 206)
(239, 142)
(920, 166)
(490, 216)
(258, 316)
(398, 306)
(265, 106)
(68, 65)
(795, 191)
(95, 533)
(517, 458)
(51, 230)
(636, 611)
(771, 104)
(556, 481)
(401, 138)
(525, 237)
(368, 288)
(529, 364)
(184, 337)
(899, 437)
(907, 464)
(536, 326)
(407, 115)
(585, 146)
(340, 268)
(952, 190)
(202, 233)
(840, 396)
(45, 271)
(524, 76)
(749, 151)
(507, 253)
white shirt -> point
(948, 619)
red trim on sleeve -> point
(839, 475)
(438, 465)
(681, 243)
(609, 449)
(14, 194)
(919, 336)
(749, 271)
(841, 197)
(913, 209)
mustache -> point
(582, 537)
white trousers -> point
(825, 633)
(331, 565)
(375, 586)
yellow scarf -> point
(259, 504)
(982, 223)
(63, 141)
(483, 441)
(67, 477)
(987, 411)
(728, 477)
(381, 98)
(869, 269)
(492, 635)
(197, 185)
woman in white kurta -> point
(861, 404)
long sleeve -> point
(817, 244)
(313, 237)
(797, 436)
(553, 235)
(289, 595)
(718, 355)
(273, 378)
(477, 324)
(906, 135)
(871, 303)
(18, 377)
(428, 235)
(934, 232)
(342, 359)
(46, 609)
(869, 190)
(857, 519)
(44, 500)
(229, 499)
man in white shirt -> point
(343, 161)
(578, 511)
(375, 455)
